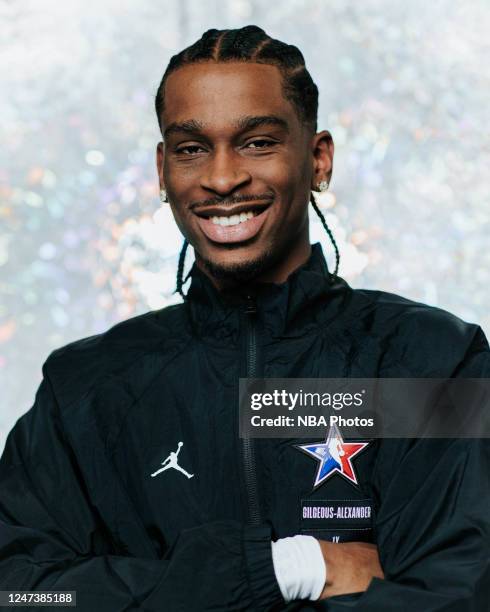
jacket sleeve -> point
(52, 538)
(433, 525)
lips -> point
(233, 233)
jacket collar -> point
(283, 309)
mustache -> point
(231, 200)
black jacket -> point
(80, 509)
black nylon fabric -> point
(79, 509)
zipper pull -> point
(251, 307)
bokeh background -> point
(84, 241)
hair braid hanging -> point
(330, 235)
(180, 270)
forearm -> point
(220, 565)
(351, 567)
(310, 569)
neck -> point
(276, 273)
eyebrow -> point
(248, 122)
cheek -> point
(292, 173)
(179, 180)
(178, 219)
(281, 177)
(293, 182)
(179, 187)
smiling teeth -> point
(233, 220)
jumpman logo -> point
(171, 462)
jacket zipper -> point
(248, 450)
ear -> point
(323, 150)
(160, 159)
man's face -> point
(238, 165)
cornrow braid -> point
(251, 44)
(330, 235)
(180, 270)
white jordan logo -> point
(171, 462)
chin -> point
(241, 270)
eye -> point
(189, 150)
(260, 144)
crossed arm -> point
(350, 567)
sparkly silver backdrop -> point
(404, 89)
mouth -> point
(234, 223)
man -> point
(81, 505)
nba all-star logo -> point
(333, 456)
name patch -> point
(332, 513)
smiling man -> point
(127, 481)
(239, 162)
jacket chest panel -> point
(335, 510)
(176, 455)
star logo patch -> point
(334, 456)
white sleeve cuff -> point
(299, 567)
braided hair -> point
(180, 270)
(330, 235)
(251, 44)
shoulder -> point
(427, 340)
(397, 312)
(81, 364)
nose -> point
(224, 173)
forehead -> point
(216, 93)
